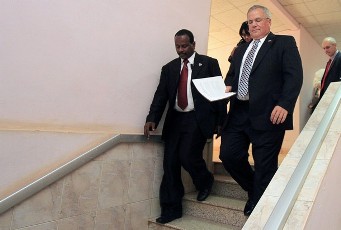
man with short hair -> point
(267, 77)
(191, 119)
(332, 72)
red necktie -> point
(182, 88)
(325, 73)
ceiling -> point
(321, 18)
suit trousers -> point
(235, 141)
(183, 147)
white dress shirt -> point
(190, 105)
(261, 41)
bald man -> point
(332, 72)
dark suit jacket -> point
(276, 79)
(334, 73)
(208, 114)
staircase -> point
(223, 209)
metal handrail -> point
(34, 187)
(288, 198)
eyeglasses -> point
(257, 20)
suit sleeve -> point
(292, 75)
(160, 100)
(230, 75)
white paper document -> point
(213, 88)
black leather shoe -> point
(249, 206)
(168, 218)
(202, 195)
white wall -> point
(313, 59)
(89, 63)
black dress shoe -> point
(249, 206)
(168, 218)
(202, 195)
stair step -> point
(219, 169)
(219, 209)
(225, 186)
(223, 209)
(188, 222)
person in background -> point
(191, 119)
(316, 90)
(332, 72)
(245, 38)
(267, 78)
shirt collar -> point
(190, 59)
(332, 57)
(261, 41)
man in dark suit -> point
(267, 83)
(187, 126)
(332, 71)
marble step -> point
(188, 222)
(218, 168)
(225, 186)
(224, 210)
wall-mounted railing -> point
(286, 201)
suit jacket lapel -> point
(174, 78)
(335, 59)
(239, 59)
(270, 39)
(196, 67)
(176, 70)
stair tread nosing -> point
(224, 178)
(188, 222)
(219, 209)
(226, 186)
(219, 201)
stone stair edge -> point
(224, 178)
(190, 221)
(218, 201)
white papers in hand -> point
(212, 88)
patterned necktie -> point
(243, 87)
(182, 88)
(325, 73)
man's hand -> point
(228, 89)
(278, 115)
(148, 127)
